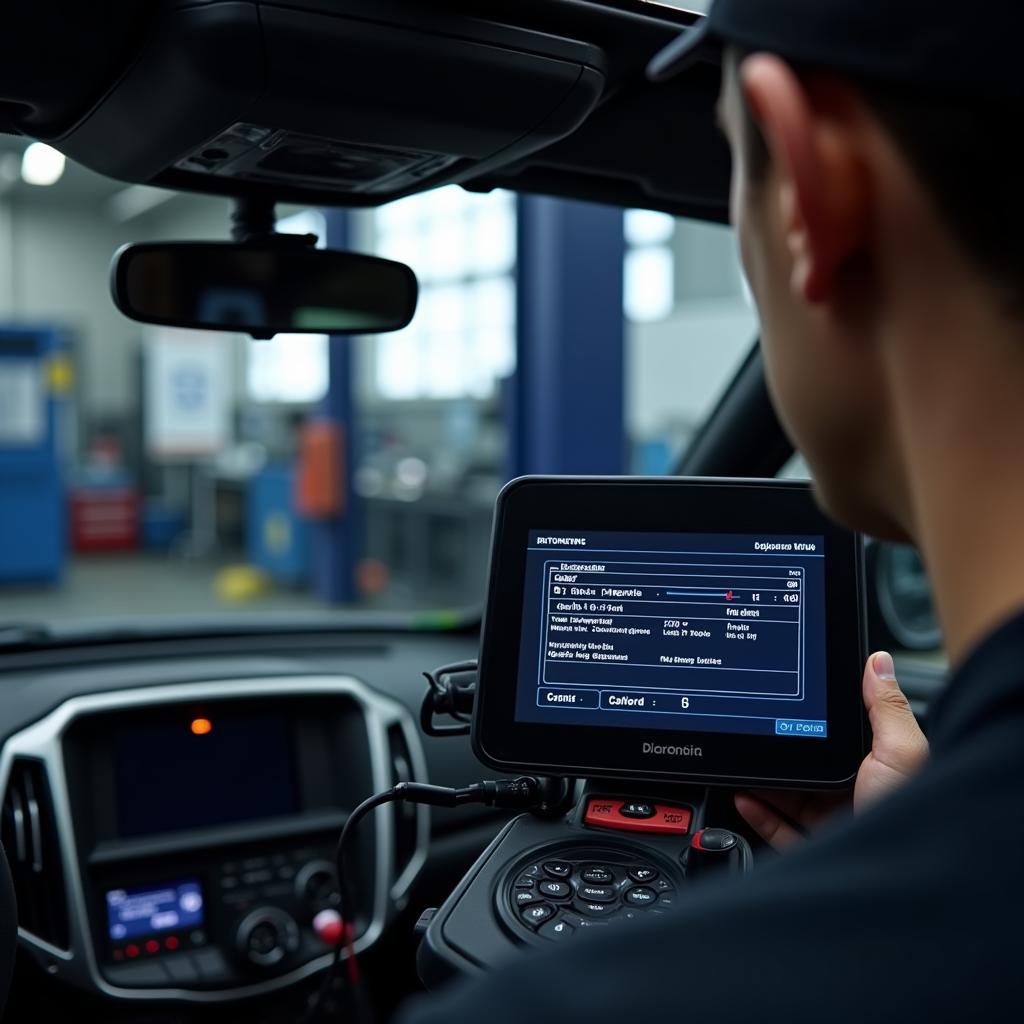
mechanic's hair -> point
(958, 149)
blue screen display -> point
(698, 632)
(136, 913)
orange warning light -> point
(201, 726)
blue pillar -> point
(337, 542)
(565, 403)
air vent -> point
(405, 813)
(29, 836)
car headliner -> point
(641, 145)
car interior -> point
(290, 290)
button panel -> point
(295, 883)
(567, 896)
(638, 816)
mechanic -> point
(881, 224)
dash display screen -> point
(169, 779)
(694, 632)
(133, 913)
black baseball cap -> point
(955, 48)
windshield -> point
(156, 474)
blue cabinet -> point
(277, 537)
(34, 384)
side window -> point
(689, 326)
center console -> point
(612, 861)
(193, 828)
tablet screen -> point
(695, 632)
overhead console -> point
(333, 101)
(178, 842)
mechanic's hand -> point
(898, 751)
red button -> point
(667, 820)
(131, 951)
(171, 942)
(152, 946)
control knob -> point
(316, 885)
(266, 936)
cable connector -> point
(522, 793)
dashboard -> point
(196, 829)
(133, 889)
(171, 822)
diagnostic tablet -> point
(694, 629)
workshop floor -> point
(112, 587)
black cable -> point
(347, 905)
(519, 793)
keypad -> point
(568, 896)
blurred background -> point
(151, 471)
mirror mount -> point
(252, 219)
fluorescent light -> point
(648, 227)
(649, 284)
(41, 164)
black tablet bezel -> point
(668, 504)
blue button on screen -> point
(800, 727)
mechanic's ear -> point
(808, 128)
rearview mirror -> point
(265, 287)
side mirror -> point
(268, 286)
